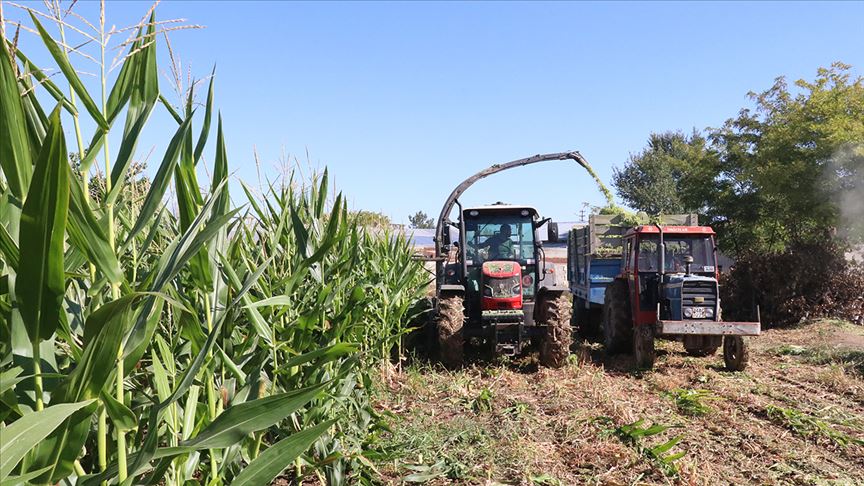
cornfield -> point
(165, 331)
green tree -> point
(370, 219)
(421, 220)
(789, 170)
(661, 178)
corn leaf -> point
(160, 182)
(15, 151)
(86, 234)
(9, 248)
(46, 82)
(279, 456)
(25, 433)
(121, 416)
(62, 61)
(41, 281)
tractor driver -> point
(500, 245)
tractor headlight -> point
(487, 291)
(709, 312)
(688, 312)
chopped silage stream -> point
(796, 416)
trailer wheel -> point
(643, 346)
(556, 314)
(449, 324)
(735, 353)
(617, 323)
(701, 346)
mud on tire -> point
(449, 324)
(617, 323)
(736, 354)
(556, 315)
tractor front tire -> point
(556, 315)
(617, 322)
(449, 324)
(643, 346)
(735, 353)
(701, 346)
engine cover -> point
(501, 285)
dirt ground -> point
(795, 416)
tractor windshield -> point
(499, 238)
(677, 247)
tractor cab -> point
(501, 253)
(678, 272)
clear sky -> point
(402, 101)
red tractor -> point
(668, 287)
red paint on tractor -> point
(502, 286)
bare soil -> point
(795, 416)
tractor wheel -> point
(643, 346)
(701, 346)
(556, 315)
(449, 323)
(617, 323)
(735, 353)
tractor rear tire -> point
(701, 346)
(556, 314)
(735, 353)
(449, 324)
(643, 346)
(617, 322)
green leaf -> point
(22, 479)
(8, 248)
(205, 127)
(15, 151)
(144, 92)
(160, 182)
(46, 82)
(121, 416)
(41, 281)
(86, 234)
(62, 61)
(327, 354)
(274, 460)
(104, 331)
(241, 420)
(28, 431)
(9, 378)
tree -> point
(793, 169)
(790, 170)
(421, 220)
(370, 219)
(658, 180)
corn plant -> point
(144, 345)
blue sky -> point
(402, 101)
